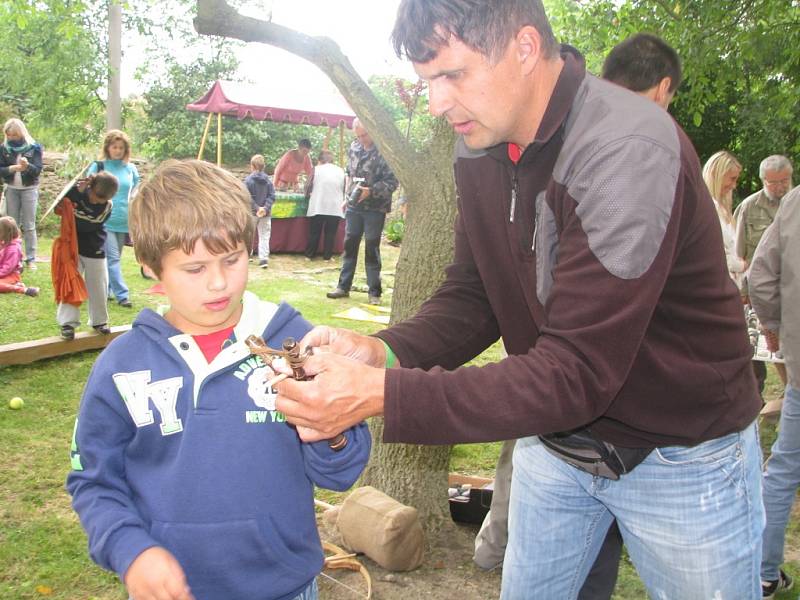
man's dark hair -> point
(486, 26)
(104, 184)
(641, 62)
(304, 143)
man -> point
(586, 238)
(650, 67)
(775, 293)
(370, 187)
(325, 193)
(647, 65)
(753, 216)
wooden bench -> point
(23, 353)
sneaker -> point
(263, 264)
(125, 303)
(31, 265)
(770, 588)
(102, 329)
(68, 332)
(32, 291)
(376, 300)
(338, 293)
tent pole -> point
(341, 143)
(219, 139)
(205, 135)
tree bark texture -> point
(414, 475)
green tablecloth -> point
(288, 205)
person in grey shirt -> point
(775, 295)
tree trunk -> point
(414, 475)
(114, 101)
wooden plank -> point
(22, 353)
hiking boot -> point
(375, 300)
(68, 332)
(102, 329)
(770, 588)
(338, 293)
(125, 303)
(32, 291)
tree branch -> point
(217, 17)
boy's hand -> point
(261, 212)
(156, 575)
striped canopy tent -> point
(281, 104)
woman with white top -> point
(720, 174)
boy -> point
(187, 480)
(91, 198)
(262, 196)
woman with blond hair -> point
(721, 173)
(20, 165)
(115, 157)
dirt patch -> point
(447, 572)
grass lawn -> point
(42, 547)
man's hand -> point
(363, 348)
(156, 575)
(342, 393)
(364, 193)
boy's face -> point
(204, 289)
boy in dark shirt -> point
(91, 198)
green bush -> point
(395, 230)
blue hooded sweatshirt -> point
(174, 452)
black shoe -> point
(32, 291)
(102, 329)
(125, 303)
(338, 293)
(770, 588)
(68, 332)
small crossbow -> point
(290, 352)
(295, 358)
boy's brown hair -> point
(104, 185)
(257, 162)
(115, 135)
(185, 201)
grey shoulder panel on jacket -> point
(620, 163)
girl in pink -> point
(11, 260)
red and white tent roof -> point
(277, 103)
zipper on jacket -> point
(514, 189)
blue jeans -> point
(21, 205)
(115, 242)
(781, 479)
(368, 223)
(691, 518)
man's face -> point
(363, 137)
(479, 99)
(304, 151)
(204, 289)
(777, 183)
